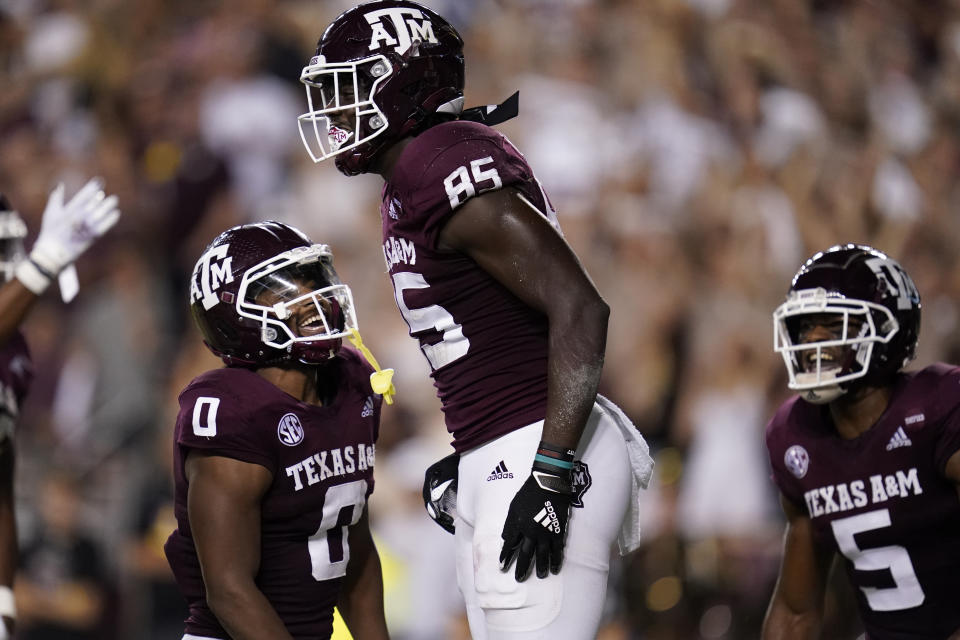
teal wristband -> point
(553, 462)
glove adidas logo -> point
(499, 473)
(548, 517)
(899, 439)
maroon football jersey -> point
(16, 374)
(322, 461)
(881, 500)
(487, 349)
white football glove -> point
(67, 230)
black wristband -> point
(552, 456)
(553, 468)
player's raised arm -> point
(68, 229)
(224, 505)
(361, 598)
(796, 608)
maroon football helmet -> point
(12, 232)
(263, 294)
(874, 308)
(382, 71)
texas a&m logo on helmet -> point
(406, 23)
(211, 271)
(282, 298)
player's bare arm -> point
(8, 523)
(518, 247)
(952, 469)
(15, 302)
(224, 505)
(952, 472)
(361, 598)
(796, 609)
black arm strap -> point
(493, 114)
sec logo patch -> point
(289, 430)
(797, 460)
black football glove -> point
(440, 491)
(536, 524)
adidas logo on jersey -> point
(899, 439)
(499, 473)
(394, 210)
(367, 408)
(548, 517)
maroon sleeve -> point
(356, 370)
(777, 447)
(214, 417)
(459, 161)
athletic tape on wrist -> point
(8, 607)
(32, 276)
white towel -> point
(642, 465)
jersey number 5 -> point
(907, 593)
(453, 345)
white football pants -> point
(566, 606)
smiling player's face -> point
(307, 316)
(822, 328)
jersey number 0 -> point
(342, 506)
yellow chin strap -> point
(381, 380)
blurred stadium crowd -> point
(697, 152)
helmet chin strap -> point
(826, 392)
(823, 395)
